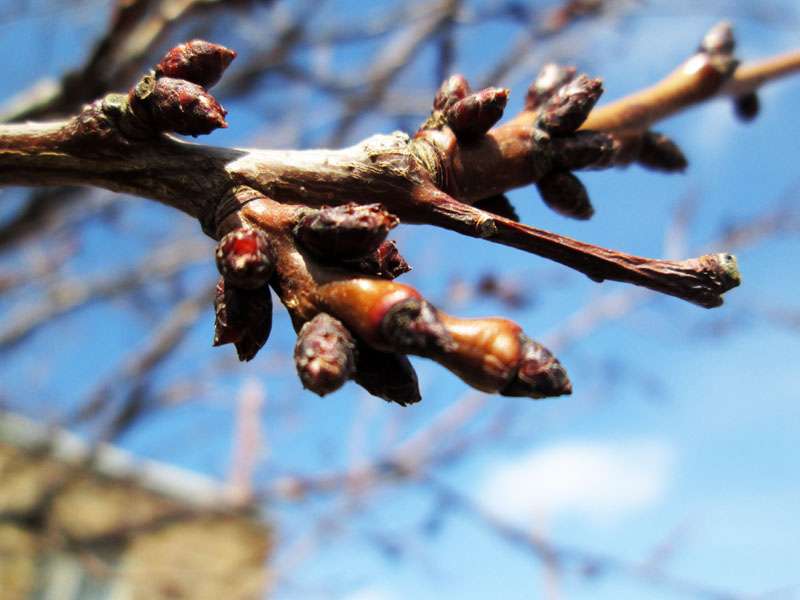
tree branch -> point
(271, 210)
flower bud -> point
(344, 232)
(493, 355)
(551, 77)
(583, 150)
(565, 194)
(197, 61)
(539, 375)
(244, 258)
(385, 262)
(569, 107)
(226, 330)
(387, 375)
(476, 114)
(451, 91)
(324, 354)
(387, 315)
(243, 318)
(746, 107)
(185, 108)
(486, 352)
(719, 39)
(661, 153)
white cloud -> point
(598, 481)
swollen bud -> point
(746, 107)
(661, 153)
(387, 375)
(565, 194)
(719, 39)
(569, 107)
(226, 330)
(243, 318)
(551, 77)
(385, 262)
(185, 108)
(244, 258)
(197, 61)
(324, 354)
(540, 375)
(476, 114)
(451, 91)
(344, 232)
(583, 150)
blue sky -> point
(684, 427)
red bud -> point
(477, 113)
(546, 83)
(385, 262)
(451, 91)
(324, 354)
(244, 258)
(344, 232)
(184, 107)
(197, 61)
(540, 375)
(569, 107)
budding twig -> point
(701, 280)
(313, 224)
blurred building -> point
(96, 523)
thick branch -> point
(89, 149)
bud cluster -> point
(469, 115)
(176, 98)
(492, 355)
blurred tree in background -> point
(668, 473)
